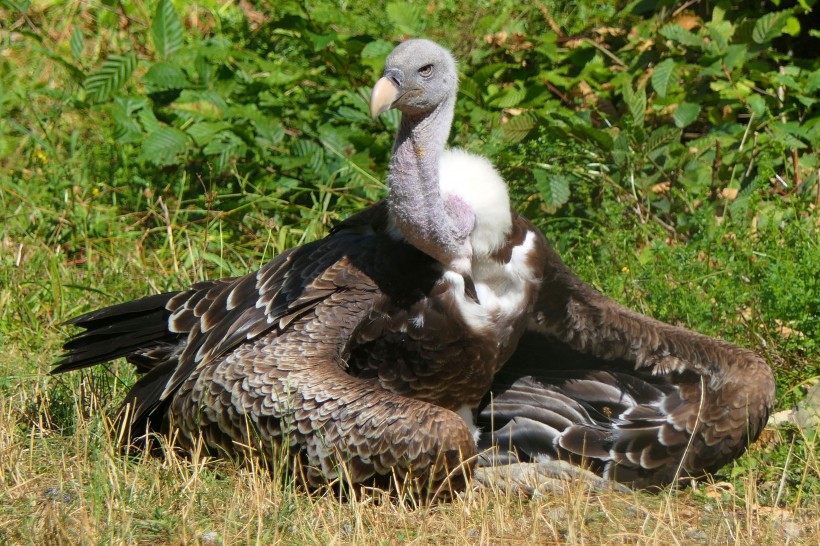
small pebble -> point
(210, 539)
(57, 494)
(792, 529)
(697, 534)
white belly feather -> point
(500, 286)
(474, 179)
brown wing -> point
(269, 350)
(293, 388)
(632, 396)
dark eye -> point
(426, 70)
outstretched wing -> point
(637, 400)
(180, 331)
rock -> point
(534, 479)
(808, 410)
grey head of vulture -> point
(372, 347)
(447, 203)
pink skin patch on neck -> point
(461, 214)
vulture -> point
(435, 331)
(365, 354)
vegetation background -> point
(669, 150)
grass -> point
(80, 228)
(76, 488)
(63, 481)
(79, 490)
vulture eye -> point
(426, 70)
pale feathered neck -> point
(438, 228)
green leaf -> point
(735, 56)
(269, 133)
(620, 149)
(686, 113)
(636, 102)
(166, 29)
(320, 40)
(469, 88)
(374, 52)
(508, 98)
(114, 73)
(720, 35)
(163, 76)
(769, 27)
(407, 18)
(681, 35)
(148, 120)
(77, 44)
(200, 105)
(790, 133)
(792, 27)
(335, 138)
(596, 137)
(659, 139)
(204, 131)
(126, 128)
(518, 127)
(226, 146)
(162, 146)
(757, 105)
(352, 114)
(489, 71)
(132, 104)
(377, 49)
(813, 81)
(662, 76)
(309, 150)
(553, 187)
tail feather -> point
(94, 319)
(520, 440)
(118, 331)
(505, 412)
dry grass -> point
(62, 481)
(75, 488)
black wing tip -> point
(93, 319)
(67, 364)
(113, 332)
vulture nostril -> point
(395, 76)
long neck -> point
(415, 201)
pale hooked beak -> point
(382, 97)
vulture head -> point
(449, 204)
(419, 76)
